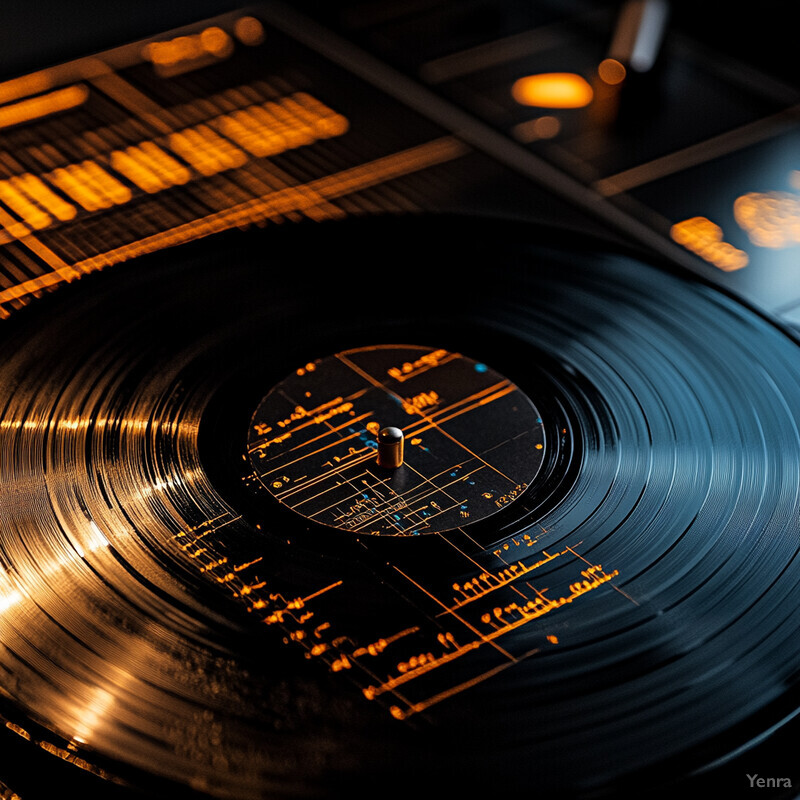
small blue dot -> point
(481, 368)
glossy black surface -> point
(650, 610)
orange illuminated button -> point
(611, 71)
(553, 90)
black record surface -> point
(627, 621)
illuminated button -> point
(390, 448)
(249, 31)
(553, 90)
(611, 71)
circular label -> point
(459, 441)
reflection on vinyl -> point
(601, 466)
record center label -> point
(472, 441)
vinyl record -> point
(581, 578)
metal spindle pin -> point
(390, 448)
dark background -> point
(44, 32)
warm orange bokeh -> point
(553, 90)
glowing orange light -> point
(19, 203)
(35, 107)
(27, 84)
(179, 49)
(704, 237)
(249, 31)
(215, 41)
(183, 53)
(553, 90)
(205, 151)
(771, 219)
(611, 71)
(311, 199)
(546, 127)
(48, 200)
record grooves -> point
(626, 619)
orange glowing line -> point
(272, 205)
(464, 622)
(403, 377)
(27, 84)
(310, 418)
(413, 430)
(415, 708)
(586, 561)
(140, 175)
(324, 476)
(381, 514)
(129, 97)
(382, 643)
(450, 410)
(263, 445)
(42, 106)
(61, 270)
(459, 550)
(388, 167)
(445, 658)
(32, 286)
(411, 498)
(20, 204)
(74, 181)
(207, 152)
(408, 497)
(432, 423)
(112, 192)
(242, 567)
(505, 580)
(356, 493)
(322, 591)
(497, 395)
(150, 154)
(548, 606)
(367, 452)
(480, 567)
(436, 488)
(35, 188)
